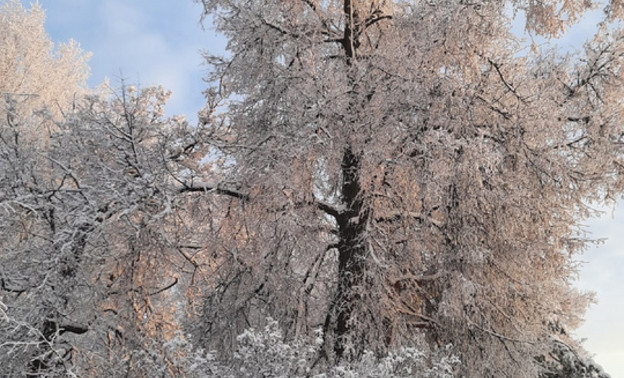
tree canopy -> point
(399, 183)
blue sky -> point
(159, 41)
(144, 42)
(603, 273)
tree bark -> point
(351, 251)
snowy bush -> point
(265, 353)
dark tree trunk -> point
(351, 251)
(351, 222)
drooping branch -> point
(279, 29)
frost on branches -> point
(397, 183)
(410, 170)
(35, 74)
(83, 230)
(265, 353)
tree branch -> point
(210, 188)
(310, 4)
(395, 216)
(5, 287)
(502, 77)
(330, 210)
(175, 281)
(372, 20)
(73, 328)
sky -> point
(143, 42)
(603, 273)
(158, 42)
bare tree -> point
(402, 170)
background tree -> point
(84, 239)
(34, 77)
(408, 173)
(35, 73)
(99, 238)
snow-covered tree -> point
(38, 82)
(35, 74)
(404, 168)
(82, 236)
(398, 183)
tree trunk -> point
(351, 251)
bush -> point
(265, 353)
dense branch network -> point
(374, 176)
